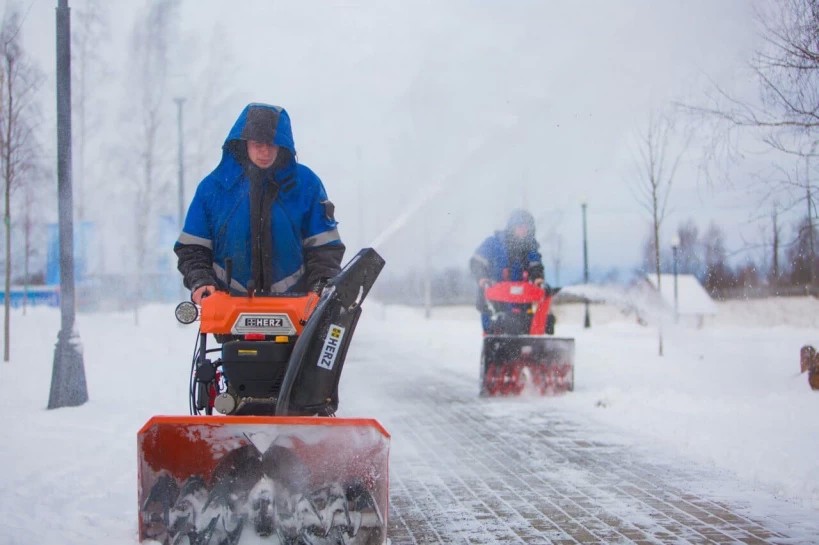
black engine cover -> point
(255, 368)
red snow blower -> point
(519, 352)
(273, 465)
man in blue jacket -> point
(262, 210)
(511, 254)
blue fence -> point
(35, 296)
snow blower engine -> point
(519, 352)
(272, 465)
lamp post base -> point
(68, 387)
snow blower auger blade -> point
(274, 466)
(213, 479)
(519, 355)
(515, 364)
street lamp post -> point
(675, 244)
(68, 386)
(587, 318)
(181, 175)
(181, 185)
(811, 242)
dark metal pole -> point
(587, 319)
(676, 296)
(68, 387)
(811, 242)
(179, 101)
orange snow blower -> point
(519, 352)
(272, 465)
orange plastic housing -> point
(309, 455)
(220, 311)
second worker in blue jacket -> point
(511, 254)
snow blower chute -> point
(273, 465)
(519, 352)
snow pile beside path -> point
(800, 312)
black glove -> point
(319, 285)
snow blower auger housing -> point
(519, 353)
(274, 465)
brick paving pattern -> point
(459, 475)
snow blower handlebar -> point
(522, 293)
(321, 326)
(518, 292)
(310, 383)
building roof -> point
(692, 297)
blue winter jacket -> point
(299, 223)
(494, 256)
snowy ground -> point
(727, 396)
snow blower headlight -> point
(186, 312)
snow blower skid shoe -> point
(519, 355)
(274, 465)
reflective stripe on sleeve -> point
(221, 274)
(285, 283)
(185, 238)
(481, 259)
(321, 239)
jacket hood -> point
(520, 218)
(261, 122)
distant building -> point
(693, 304)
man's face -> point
(262, 154)
(520, 231)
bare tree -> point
(787, 69)
(552, 241)
(19, 115)
(801, 255)
(657, 166)
(88, 36)
(28, 226)
(150, 44)
(785, 116)
(718, 274)
(30, 205)
(747, 276)
(690, 261)
(775, 273)
(211, 95)
(649, 251)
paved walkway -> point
(462, 473)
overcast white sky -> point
(484, 105)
